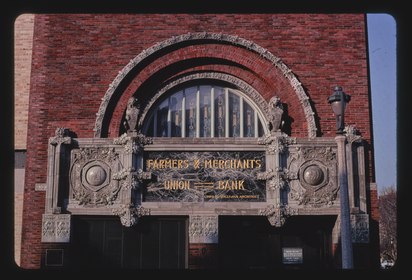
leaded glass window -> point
(205, 111)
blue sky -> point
(382, 55)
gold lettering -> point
(166, 185)
(240, 185)
(207, 163)
(176, 185)
(149, 163)
(220, 185)
(231, 185)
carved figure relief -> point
(132, 114)
(275, 114)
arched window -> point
(205, 111)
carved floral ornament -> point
(129, 214)
(132, 144)
(278, 215)
(276, 142)
(219, 38)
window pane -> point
(190, 94)
(176, 113)
(162, 111)
(234, 115)
(219, 112)
(205, 110)
(249, 120)
(150, 131)
(260, 128)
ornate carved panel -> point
(203, 229)
(92, 176)
(315, 166)
(56, 228)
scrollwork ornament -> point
(129, 214)
(276, 142)
(142, 140)
(277, 215)
(142, 175)
(122, 140)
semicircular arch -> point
(217, 38)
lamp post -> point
(338, 102)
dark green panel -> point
(154, 243)
(150, 246)
(169, 244)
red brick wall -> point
(76, 57)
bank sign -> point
(204, 176)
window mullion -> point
(226, 112)
(169, 119)
(184, 115)
(241, 116)
(256, 124)
(198, 112)
(155, 123)
(212, 112)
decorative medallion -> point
(95, 175)
(313, 174)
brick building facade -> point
(86, 68)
